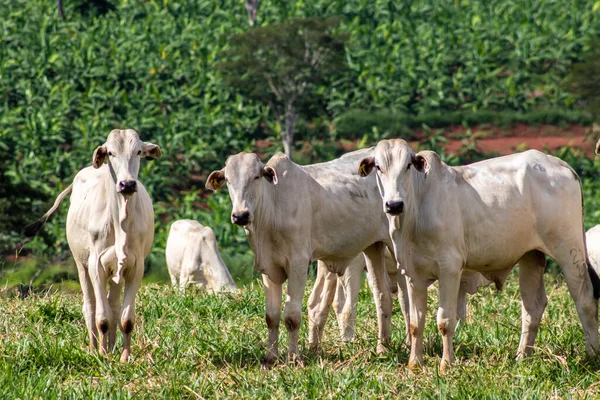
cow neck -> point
(414, 222)
(262, 227)
(121, 208)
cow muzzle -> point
(127, 188)
(394, 207)
(241, 218)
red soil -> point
(521, 137)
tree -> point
(282, 65)
(584, 80)
(252, 7)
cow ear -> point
(151, 151)
(270, 174)
(419, 162)
(215, 180)
(99, 156)
(598, 147)
(366, 166)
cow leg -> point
(292, 312)
(461, 305)
(133, 279)
(103, 312)
(114, 300)
(319, 303)
(381, 293)
(574, 266)
(174, 280)
(533, 294)
(449, 282)
(273, 292)
(417, 294)
(89, 304)
(350, 288)
(404, 305)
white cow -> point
(295, 214)
(193, 257)
(484, 217)
(110, 229)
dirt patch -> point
(521, 137)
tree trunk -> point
(287, 136)
(252, 7)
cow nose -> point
(240, 218)
(394, 207)
(127, 187)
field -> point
(197, 345)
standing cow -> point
(295, 214)
(485, 217)
(110, 229)
(193, 257)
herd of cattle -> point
(415, 220)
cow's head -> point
(244, 174)
(123, 150)
(394, 161)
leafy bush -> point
(64, 84)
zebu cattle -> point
(295, 214)
(110, 229)
(484, 217)
(193, 257)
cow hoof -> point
(296, 361)
(381, 349)
(267, 363)
(444, 367)
(125, 356)
(414, 366)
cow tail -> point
(31, 229)
(592, 273)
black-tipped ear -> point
(151, 151)
(270, 174)
(215, 180)
(419, 162)
(99, 156)
(366, 166)
(598, 147)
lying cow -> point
(347, 288)
(295, 214)
(484, 217)
(110, 229)
(193, 257)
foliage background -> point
(64, 84)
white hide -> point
(193, 257)
(110, 229)
(484, 217)
(297, 214)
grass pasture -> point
(197, 345)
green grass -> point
(200, 345)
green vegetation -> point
(205, 346)
(282, 65)
(152, 66)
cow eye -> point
(139, 152)
(378, 167)
(110, 154)
(408, 167)
(256, 177)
